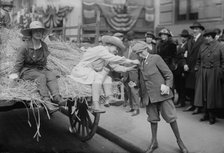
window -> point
(186, 10)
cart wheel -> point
(83, 123)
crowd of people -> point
(196, 62)
(154, 71)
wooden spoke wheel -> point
(83, 122)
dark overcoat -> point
(154, 73)
(168, 50)
(193, 49)
(209, 73)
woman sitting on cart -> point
(93, 68)
(31, 65)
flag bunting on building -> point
(119, 17)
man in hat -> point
(92, 68)
(131, 81)
(6, 7)
(179, 73)
(158, 81)
(31, 65)
(191, 56)
(209, 76)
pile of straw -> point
(63, 57)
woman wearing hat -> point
(150, 40)
(209, 76)
(166, 48)
(92, 68)
(31, 65)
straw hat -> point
(197, 25)
(118, 34)
(113, 40)
(34, 25)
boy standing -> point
(158, 81)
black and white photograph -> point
(111, 76)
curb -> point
(118, 140)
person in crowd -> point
(209, 76)
(167, 49)
(5, 8)
(158, 82)
(131, 81)
(150, 40)
(116, 76)
(31, 65)
(191, 57)
(218, 33)
(179, 73)
(93, 68)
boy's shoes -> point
(107, 105)
(130, 110)
(152, 147)
(182, 147)
(136, 112)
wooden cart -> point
(83, 122)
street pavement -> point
(199, 137)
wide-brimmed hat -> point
(118, 34)
(208, 32)
(150, 34)
(139, 47)
(113, 40)
(34, 25)
(166, 32)
(185, 33)
(198, 25)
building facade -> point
(180, 14)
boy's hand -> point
(136, 62)
(165, 90)
(131, 84)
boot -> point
(114, 101)
(136, 112)
(152, 147)
(107, 103)
(50, 106)
(96, 108)
(59, 100)
(182, 147)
